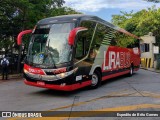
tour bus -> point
(73, 51)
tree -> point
(18, 15)
(155, 1)
(140, 23)
(23, 14)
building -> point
(148, 51)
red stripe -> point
(34, 70)
(114, 75)
(59, 87)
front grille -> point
(49, 73)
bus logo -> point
(114, 60)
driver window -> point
(81, 46)
(84, 39)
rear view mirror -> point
(73, 33)
(19, 37)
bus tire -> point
(96, 80)
(131, 69)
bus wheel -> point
(131, 71)
(96, 80)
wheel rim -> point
(94, 79)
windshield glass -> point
(49, 45)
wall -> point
(150, 40)
(147, 58)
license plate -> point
(40, 83)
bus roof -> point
(74, 17)
(79, 17)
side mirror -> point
(73, 33)
(19, 37)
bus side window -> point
(80, 46)
(84, 39)
(124, 40)
(103, 35)
(88, 34)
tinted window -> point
(108, 36)
(144, 47)
(84, 39)
(123, 40)
(104, 35)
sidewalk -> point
(151, 69)
(13, 76)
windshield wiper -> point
(48, 55)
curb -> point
(156, 71)
(14, 76)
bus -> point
(73, 51)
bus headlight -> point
(63, 75)
(25, 71)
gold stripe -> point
(120, 108)
(151, 64)
(90, 113)
(144, 62)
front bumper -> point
(60, 87)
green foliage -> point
(140, 23)
(155, 1)
(158, 65)
(123, 40)
(158, 62)
(17, 15)
(63, 11)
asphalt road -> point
(141, 92)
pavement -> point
(141, 92)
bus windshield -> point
(49, 45)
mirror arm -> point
(19, 37)
(73, 34)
